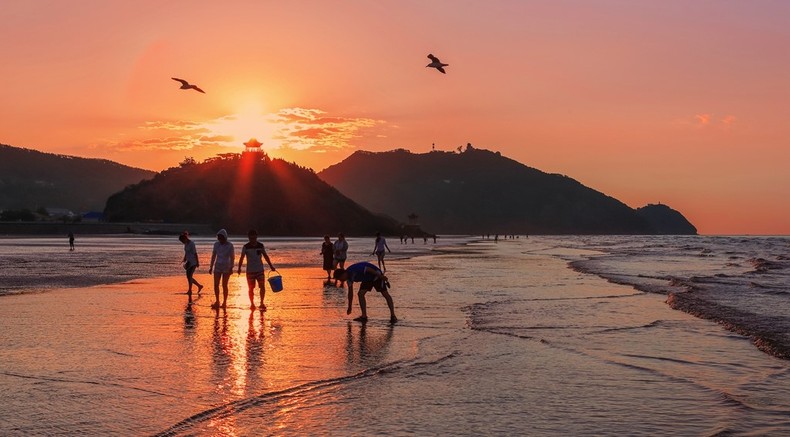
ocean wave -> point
(769, 335)
(762, 265)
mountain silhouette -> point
(242, 192)
(665, 220)
(30, 179)
(478, 191)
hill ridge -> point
(480, 191)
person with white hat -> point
(223, 258)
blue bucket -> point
(276, 282)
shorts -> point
(379, 285)
(253, 277)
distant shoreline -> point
(56, 228)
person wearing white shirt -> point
(222, 259)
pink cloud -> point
(703, 119)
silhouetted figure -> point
(190, 262)
(254, 251)
(187, 86)
(424, 239)
(328, 252)
(71, 241)
(369, 277)
(223, 257)
(496, 238)
(378, 249)
(340, 253)
(436, 63)
(412, 239)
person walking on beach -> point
(378, 249)
(190, 262)
(328, 252)
(254, 251)
(71, 241)
(222, 259)
(340, 253)
(369, 277)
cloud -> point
(703, 119)
(217, 139)
(178, 125)
(301, 129)
(729, 120)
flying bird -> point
(187, 86)
(436, 63)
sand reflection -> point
(364, 349)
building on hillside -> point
(253, 150)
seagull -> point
(436, 63)
(187, 86)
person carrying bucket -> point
(253, 251)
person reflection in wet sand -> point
(369, 277)
(189, 317)
(254, 345)
(222, 345)
(366, 350)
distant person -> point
(369, 277)
(71, 241)
(328, 252)
(222, 259)
(378, 248)
(434, 238)
(412, 239)
(424, 239)
(254, 251)
(190, 262)
(340, 252)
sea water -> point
(493, 338)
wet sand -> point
(492, 339)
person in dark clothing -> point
(370, 277)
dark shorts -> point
(253, 277)
(370, 285)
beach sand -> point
(493, 338)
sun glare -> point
(248, 121)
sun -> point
(248, 121)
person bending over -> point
(370, 277)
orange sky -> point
(677, 102)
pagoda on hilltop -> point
(252, 150)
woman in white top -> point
(190, 262)
(378, 249)
(222, 259)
